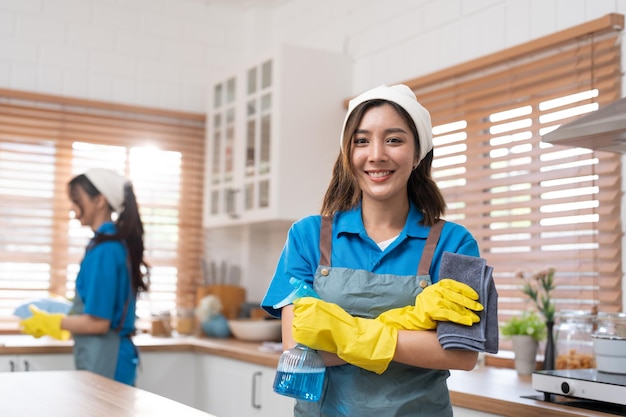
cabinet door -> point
(272, 404)
(466, 412)
(170, 374)
(221, 153)
(231, 388)
(37, 362)
(9, 363)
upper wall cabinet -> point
(273, 136)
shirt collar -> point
(351, 222)
(106, 228)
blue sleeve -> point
(101, 274)
(299, 258)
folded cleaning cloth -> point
(52, 304)
(482, 336)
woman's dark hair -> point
(343, 192)
(129, 229)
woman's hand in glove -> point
(42, 323)
(446, 300)
(366, 343)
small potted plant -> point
(525, 331)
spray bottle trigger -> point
(301, 289)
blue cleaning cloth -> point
(482, 336)
(48, 304)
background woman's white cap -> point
(405, 98)
(110, 184)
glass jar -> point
(611, 325)
(574, 346)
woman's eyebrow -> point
(387, 131)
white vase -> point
(525, 349)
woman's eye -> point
(359, 141)
(394, 140)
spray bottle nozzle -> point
(301, 289)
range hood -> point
(603, 129)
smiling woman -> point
(161, 152)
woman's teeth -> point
(379, 174)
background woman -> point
(112, 273)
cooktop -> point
(589, 384)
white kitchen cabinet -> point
(37, 362)
(232, 388)
(170, 374)
(273, 136)
(466, 412)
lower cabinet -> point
(169, 374)
(231, 388)
(466, 412)
(37, 362)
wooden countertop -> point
(80, 394)
(487, 388)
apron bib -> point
(95, 353)
(401, 390)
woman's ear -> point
(101, 202)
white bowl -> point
(610, 354)
(255, 330)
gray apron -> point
(402, 390)
(99, 353)
(96, 353)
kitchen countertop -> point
(490, 389)
(81, 393)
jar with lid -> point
(611, 325)
(574, 346)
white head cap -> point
(110, 184)
(405, 98)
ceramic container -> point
(255, 330)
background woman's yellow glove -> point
(366, 343)
(42, 324)
(446, 300)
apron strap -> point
(429, 249)
(326, 240)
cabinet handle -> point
(12, 365)
(254, 378)
(26, 366)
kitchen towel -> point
(482, 336)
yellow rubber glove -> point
(446, 300)
(366, 343)
(42, 323)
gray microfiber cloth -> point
(482, 336)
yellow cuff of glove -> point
(42, 323)
(366, 343)
(446, 300)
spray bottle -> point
(300, 371)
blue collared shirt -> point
(353, 248)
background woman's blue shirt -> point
(103, 282)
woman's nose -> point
(377, 150)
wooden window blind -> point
(45, 141)
(529, 204)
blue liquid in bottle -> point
(303, 384)
(300, 371)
